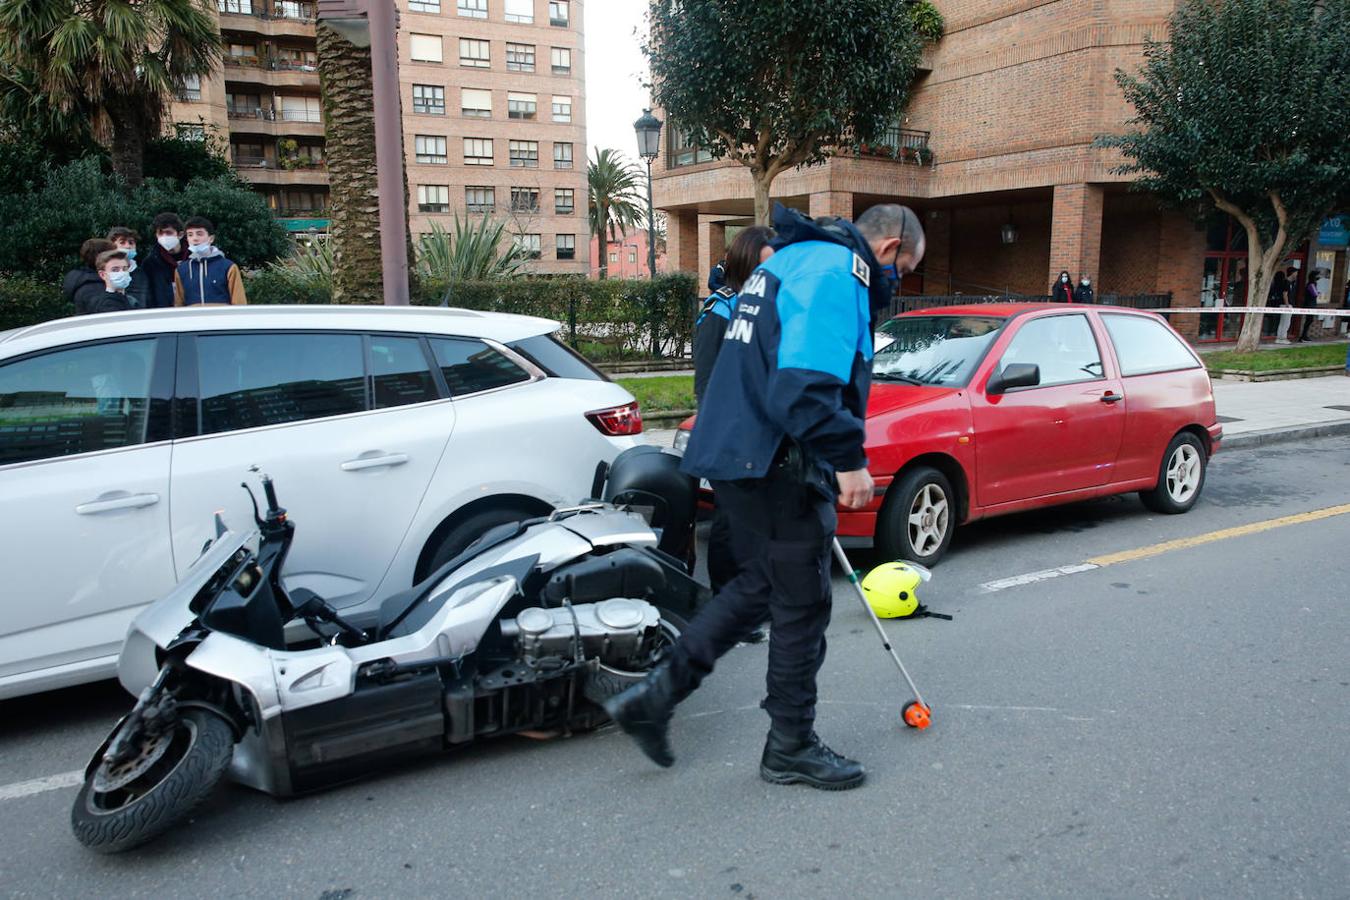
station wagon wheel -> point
(918, 517)
(1181, 477)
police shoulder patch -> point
(862, 271)
(726, 292)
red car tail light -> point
(618, 421)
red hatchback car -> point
(977, 411)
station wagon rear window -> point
(934, 350)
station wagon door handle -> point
(1112, 398)
(374, 462)
(128, 501)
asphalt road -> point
(1176, 725)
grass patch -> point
(661, 393)
(1270, 360)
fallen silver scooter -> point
(529, 629)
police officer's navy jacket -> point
(709, 329)
(795, 365)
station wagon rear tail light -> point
(618, 421)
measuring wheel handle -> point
(917, 715)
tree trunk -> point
(763, 209)
(1259, 275)
(601, 240)
(349, 134)
(128, 149)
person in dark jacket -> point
(717, 277)
(780, 436)
(1084, 293)
(1062, 290)
(83, 284)
(114, 272)
(1309, 301)
(161, 262)
(206, 276)
(125, 239)
(747, 251)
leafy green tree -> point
(775, 84)
(616, 201)
(1247, 109)
(184, 160)
(103, 67)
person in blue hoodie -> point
(206, 276)
(780, 436)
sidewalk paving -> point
(1253, 413)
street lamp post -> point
(648, 130)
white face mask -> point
(1064, 279)
(1086, 282)
(120, 281)
(199, 249)
(169, 242)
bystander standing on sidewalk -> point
(1287, 297)
(1084, 293)
(82, 284)
(207, 275)
(1309, 302)
(1062, 290)
(125, 239)
(114, 271)
(161, 261)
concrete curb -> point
(1270, 436)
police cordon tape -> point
(1269, 310)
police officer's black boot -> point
(643, 712)
(791, 759)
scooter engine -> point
(614, 630)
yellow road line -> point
(1199, 540)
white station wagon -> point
(396, 436)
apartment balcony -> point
(272, 74)
(257, 170)
(283, 123)
(903, 144)
(284, 20)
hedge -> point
(606, 320)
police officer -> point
(780, 436)
(748, 250)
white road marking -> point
(40, 785)
(1002, 584)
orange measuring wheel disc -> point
(916, 715)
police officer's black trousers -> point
(782, 532)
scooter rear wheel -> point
(123, 809)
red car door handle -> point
(1112, 398)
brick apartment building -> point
(995, 153)
(494, 115)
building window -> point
(521, 106)
(425, 6)
(474, 53)
(430, 149)
(244, 106)
(559, 13)
(480, 199)
(429, 99)
(562, 61)
(478, 151)
(289, 9)
(297, 59)
(425, 48)
(239, 7)
(562, 156)
(473, 9)
(567, 246)
(613, 258)
(520, 57)
(531, 244)
(192, 88)
(521, 11)
(248, 156)
(301, 109)
(682, 151)
(190, 132)
(632, 256)
(433, 198)
(475, 103)
(562, 109)
(564, 201)
(524, 154)
(524, 199)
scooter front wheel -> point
(168, 776)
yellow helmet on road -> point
(892, 588)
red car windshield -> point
(934, 350)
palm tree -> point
(108, 67)
(616, 200)
(472, 252)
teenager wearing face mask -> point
(206, 276)
(1084, 293)
(1062, 290)
(124, 239)
(114, 269)
(83, 284)
(160, 262)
